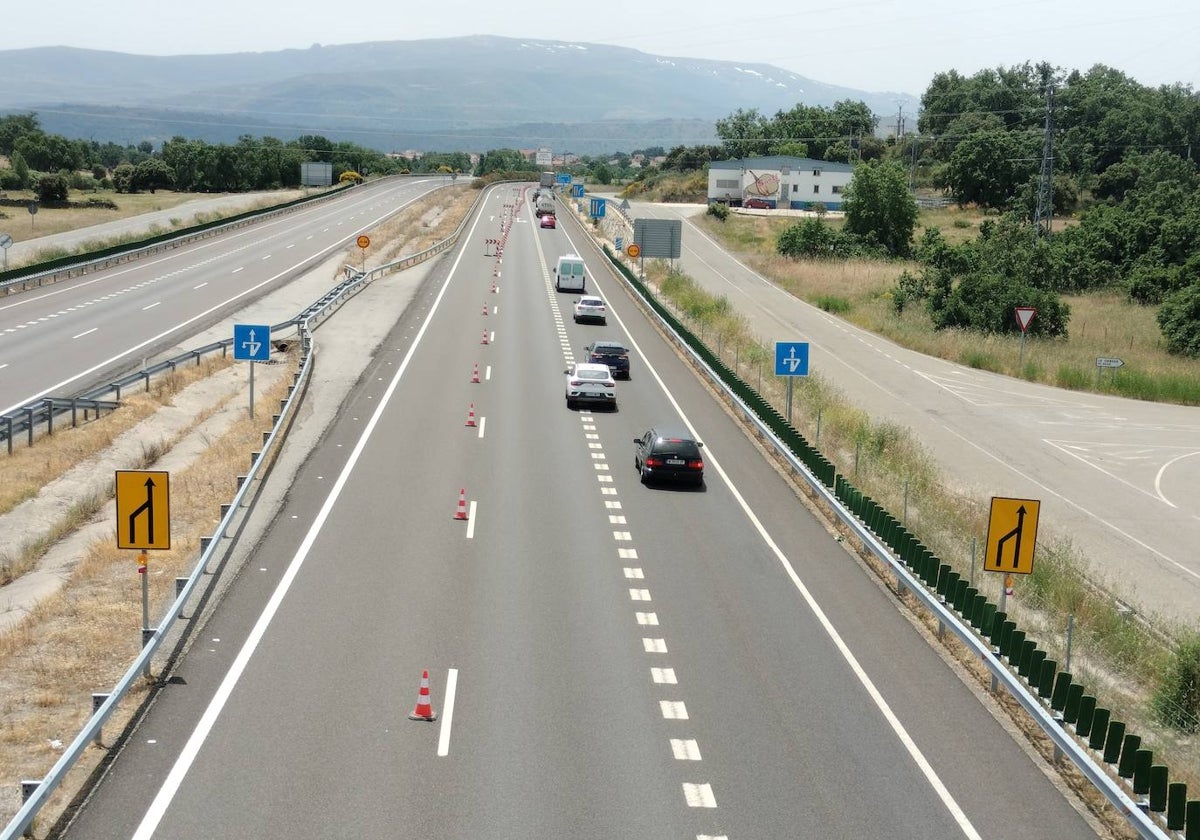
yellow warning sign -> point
(144, 509)
(1012, 535)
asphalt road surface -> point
(607, 659)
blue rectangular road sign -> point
(251, 342)
(577, 190)
(791, 358)
(597, 208)
(563, 177)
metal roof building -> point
(779, 181)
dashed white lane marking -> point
(616, 520)
(151, 306)
(201, 286)
(613, 505)
(633, 574)
(711, 837)
(599, 456)
(236, 270)
(647, 619)
(609, 491)
(699, 795)
(673, 709)
(447, 713)
(685, 749)
(86, 332)
(471, 521)
(604, 478)
(488, 373)
(639, 595)
(482, 420)
(267, 257)
(627, 553)
(663, 676)
(654, 645)
(622, 536)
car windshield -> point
(592, 374)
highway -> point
(606, 659)
(1119, 477)
(56, 340)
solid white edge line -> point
(471, 521)
(905, 739)
(191, 749)
(447, 713)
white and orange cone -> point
(461, 512)
(484, 340)
(424, 710)
(475, 374)
(471, 415)
(485, 308)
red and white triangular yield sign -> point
(1025, 315)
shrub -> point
(1177, 700)
(718, 210)
(52, 188)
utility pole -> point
(1045, 195)
(900, 123)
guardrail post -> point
(1129, 746)
(98, 700)
(1142, 761)
(1176, 805)
(1099, 729)
(49, 415)
(30, 429)
(8, 422)
(1192, 819)
(74, 413)
(224, 509)
(1114, 742)
(28, 787)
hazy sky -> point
(875, 46)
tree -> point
(123, 178)
(744, 133)
(13, 127)
(20, 167)
(52, 188)
(1179, 320)
(153, 174)
(879, 207)
(987, 167)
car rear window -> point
(673, 446)
(609, 351)
(591, 374)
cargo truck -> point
(547, 179)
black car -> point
(611, 353)
(669, 453)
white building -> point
(778, 181)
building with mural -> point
(778, 181)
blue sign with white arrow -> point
(791, 358)
(597, 208)
(251, 342)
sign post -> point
(791, 360)
(144, 523)
(1111, 364)
(251, 343)
(5, 243)
(363, 243)
(1024, 317)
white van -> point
(569, 275)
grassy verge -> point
(1125, 661)
(1103, 325)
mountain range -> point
(451, 94)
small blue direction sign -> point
(563, 178)
(597, 208)
(252, 342)
(577, 190)
(791, 358)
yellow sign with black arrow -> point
(144, 509)
(1012, 535)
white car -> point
(587, 382)
(590, 308)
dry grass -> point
(83, 638)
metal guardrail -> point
(156, 245)
(24, 420)
(37, 792)
(1141, 821)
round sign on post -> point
(633, 250)
(364, 241)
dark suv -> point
(669, 453)
(611, 353)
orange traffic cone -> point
(461, 513)
(423, 711)
(485, 309)
(494, 289)
(475, 375)
(471, 415)
(484, 340)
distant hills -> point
(452, 94)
